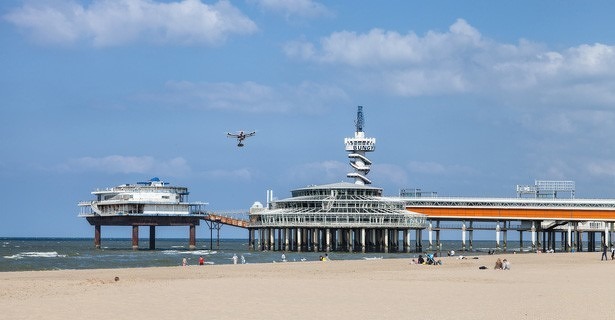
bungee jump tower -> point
(357, 147)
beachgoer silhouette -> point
(201, 260)
(604, 257)
(498, 264)
(421, 260)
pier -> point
(356, 217)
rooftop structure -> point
(546, 189)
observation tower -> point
(357, 147)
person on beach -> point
(604, 257)
(498, 264)
(505, 264)
(234, 258)
(612, 252)
(184, 262)
(201, 260)
(243, 260)
(421, 260)
(283, 257)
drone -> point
(240, 136)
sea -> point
(28, 254)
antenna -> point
(359, 122)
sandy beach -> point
(538, 286)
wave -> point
(192, 252)
(21, 255)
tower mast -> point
(357, 147)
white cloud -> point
(294, 8)
(129, 164)
(249, 96)
(462, 61)
(118, 22)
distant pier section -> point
(152, 204)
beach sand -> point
(538, 286)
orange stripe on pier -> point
(514, 213)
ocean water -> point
(21, 254)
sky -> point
(463, 98)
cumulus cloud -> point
(294, 8)
(249, 96)
(119, 22)
(129, 164)
(463, 61)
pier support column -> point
(463, 236)
(533, 231)
(386, 240)
(505, 239)
(520, 240)
(328, 240)
(430, 236)
(407, 240)
(419, 241)
(438, 243)
(316, 240)
(286, 238)
(97, 236)
(192, 244)
(271, 239)
(349, 240)
(299, 240)
(606, 235)
(152, 237)
(135, 237)
(471, 236)
(497, 236)
(363, 240)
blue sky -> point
(464, 98)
